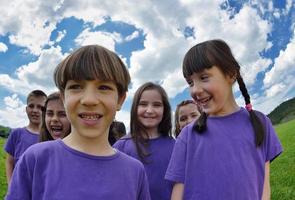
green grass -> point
(282, 174)
(282, 169)
(3, 184)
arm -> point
(9, 167)
(177, 191)
(266, 185)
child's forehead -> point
(36, 99)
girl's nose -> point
(149, 109)
(196, 90)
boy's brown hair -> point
(92, 62)
(36, 93)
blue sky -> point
(152, 38)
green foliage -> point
(284, 112)
(4, 131)
(282, 172)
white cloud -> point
(35, 75)
(124, 116)
(101, 38)
(61, 35)
(3, 47)
(13, 114)
(134, 35)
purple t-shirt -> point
(18, 141)
(52, 170)
(160, 150)
(223, 162)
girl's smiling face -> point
(187, 113)
(150, 109)
(212, 89)
(56, 119)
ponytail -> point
(200, 124)
(256, 123)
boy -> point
(21, 138)
(93, 82)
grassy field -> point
(282, 169)
(3, 184)
(282, 176)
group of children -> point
(221, 151)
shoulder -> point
(129, 161)
(43, 149)
(16, 131)
(122, 141)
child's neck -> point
(97, 147)
(33, 128)
(153, 133)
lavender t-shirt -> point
(223, 162)
(160, 150)
(18, 141)
(52, 170)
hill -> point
(284, 112)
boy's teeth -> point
(90, 117)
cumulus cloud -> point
(3, 47)
(13, 114)
(134, 35)
(104, 39)
(162, 23)
(35, 75)
(61, 35)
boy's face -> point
(91, 106)
(33, 109)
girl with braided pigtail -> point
(226, 153)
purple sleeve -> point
(176, 168)
(272, 144)
(11, 142)
(20, 187)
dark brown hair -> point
(92, 62)
(137, 130)
(217, 53)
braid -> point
(257, 124)
(200, 124)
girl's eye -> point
(62, 114)
(141, 103)
(158, 104)
(183, 118)
(190, 83)
(204, 77)
(49, 113)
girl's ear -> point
(121, 100)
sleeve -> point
(272, 145)
(20, 187)
(144, 192)
(176, 168)
(11, 143)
